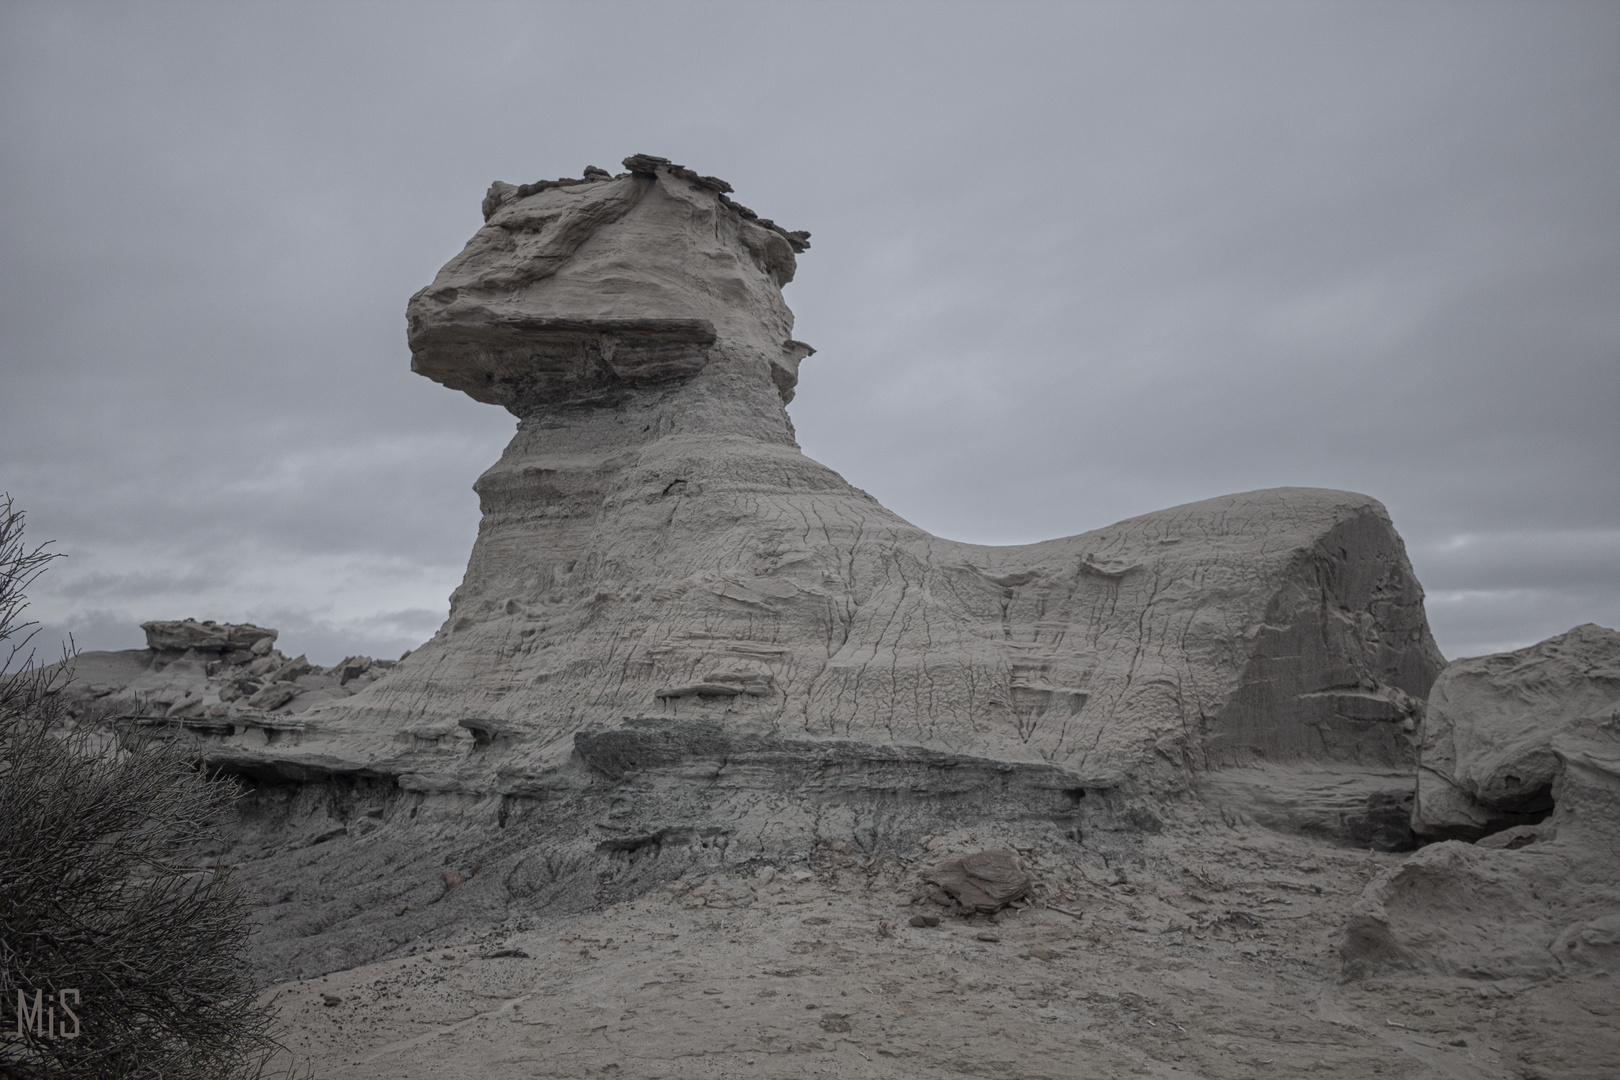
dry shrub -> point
(98, 890)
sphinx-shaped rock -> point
(658, 562)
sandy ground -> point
(1207, 957)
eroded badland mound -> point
(696, 692)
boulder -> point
(983, 882)
(1486, 755)
(1528, 901)
(291, 671)
(273, 696)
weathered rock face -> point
(1529, 901)
(654, 546)
(1487, 759)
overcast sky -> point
(1070, 263)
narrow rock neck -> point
(567, 468)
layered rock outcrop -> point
(655, 547)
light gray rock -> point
(1486, 745)
(292, 670)
(201, 692)
(273, 696)
(1491, 912)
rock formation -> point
(211, 680)
(655, 547)
(1486, 753)
(691, 673)
(240, 642)
(679, 639)
(1510, 738)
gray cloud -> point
(1071, 263)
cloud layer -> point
(1071, 263)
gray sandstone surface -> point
(654, 546)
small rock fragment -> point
(291, 670)
(351, 667)
(273, 696)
